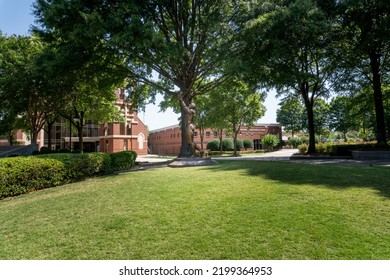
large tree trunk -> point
(235, 131)
(34, 135)
(378, 99)
(187, 108)
(81, 139)
(310, 125)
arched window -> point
(141, 140)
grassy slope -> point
(236, 210)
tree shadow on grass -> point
(335, 177)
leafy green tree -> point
(341, 116)
(239, 104)
(287, 45)
(366, 48)
(24, 88)
(321, 112)
(289, 115)
(270, 141)
(181, 41)
(86, 104)
(201, 120)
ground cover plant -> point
(235, 210)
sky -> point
(16, 18)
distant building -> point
(132, 134)
(167, 140)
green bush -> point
(270, 141)
(248, 144)
(305, 140)
(21, 175)
(303, 148)
(227, 144)
(213, 145)
(336, 149)
(123, 160)
(80, 166)
(295, 141)
(239, 144)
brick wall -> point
(167, 141)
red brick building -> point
(167, 140)
(132, 134)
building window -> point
(141, 139)
(128, 130)
(125, 144)
(215, 134)
(122, 129)
(207, 134)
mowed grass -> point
(235, 210)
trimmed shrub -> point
(21, 175)
(213, 145)
(239, 144)
(248, 144)
(80, 166)
(123, 160)
(227, 144)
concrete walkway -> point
(281, 155)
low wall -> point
(371, 155)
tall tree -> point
(238, 104)
(366, 24)
(287, 45)
(24, 88)
(289, 114)
(341, 115)
(179, 40)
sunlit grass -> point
(235, 210)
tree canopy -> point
(180, 40)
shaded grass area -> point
(235, 210)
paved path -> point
(281, 155)
(350, 162)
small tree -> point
(290, 113)
(295, 141)
(270, 141)
(239, 104)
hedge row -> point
(336, 149)
(228, 144)
(21, 175)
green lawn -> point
(235, 210)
